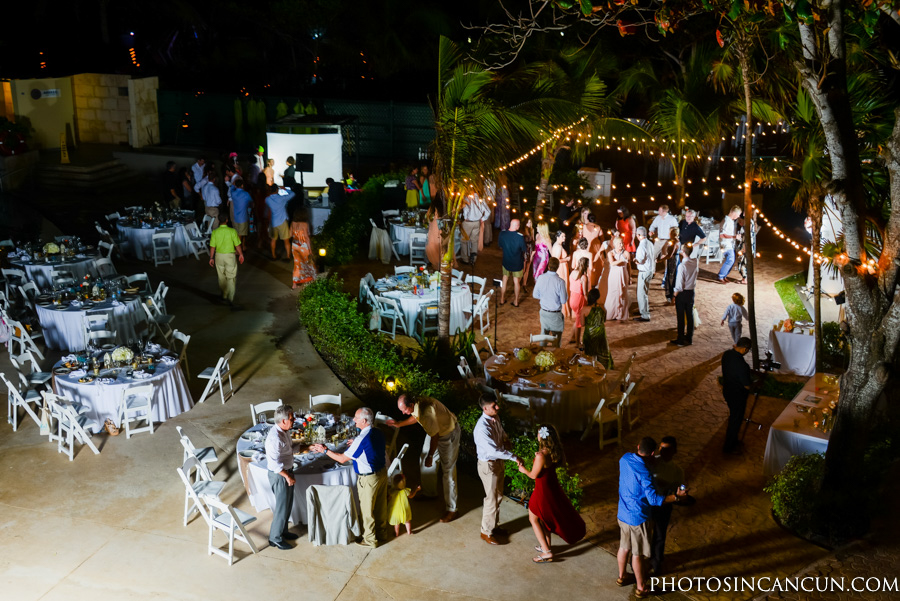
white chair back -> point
(162, 249)
(185, 339)
(14, 400)
(204, 455)
(417, 244)
(141, 281)
(137, 405)
(390, 309)
(216, 376)
(232, 522)
(108, 246)
(196, 482)
(325, 399)
(105, 267)
(260, 409)
(398, 269)
(397, 463)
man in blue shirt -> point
(636, 495)
(512, 244)
(240, 209)
(368, 456)
(279, 224)
(550, 289)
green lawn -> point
(789, 297)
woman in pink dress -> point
(541, 256)
(619, 275)
(625, 225)
(558, 251)
(578, 289)
(549, 509)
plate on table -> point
(582, 381)
(43, 303)
(61, 371)
(61, 307)
(561, 369)
(108, 347)
(527, 372)
(247, 454)
(504, 377)
(86, 379)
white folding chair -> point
(159, 297)
(185, 339)
(215, 375)
(232, 522)
(7, 243)
(545, 339)
(603, 415)
(162, 249)
(261, 408)
(397, 463)
(134, 209)
(204, 455)
(464, 370)
(99, 338)
(517, 402)
(417, 244)
(712, 250)
(479, 363)
(29, 292)
(160, 320)
(482, 311)
(206, 225)
(14, 400)
(477, 285)
(391, 444)
(370, 280)
(140, 281)
(136, 405)
(428, 475)
(105, 267)
(389, 213)
(388, 308)
(13, 278)
(197, 482)
(62, 278)
(94, 322)
(458, 275)
(197, 242)
(109, 247)
(29, 370)
(398, 269)
(426, 320)
(72, 426)
(325, 399)
(19, 335)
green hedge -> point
(348, 224)
(362, 358)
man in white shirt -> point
(685, 282)
(197, 169)
(280, 461)
(726, 239)
(661, 227)
(645, 260)
(473, 214)
(212, 199)
(490, 444)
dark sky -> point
(383, 49)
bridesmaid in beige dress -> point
(617, 303)
(593, 233)
(558, 250)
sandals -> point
(538, 549)
(642, 594)
(624, 581)
(542, 559)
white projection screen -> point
(325, 148)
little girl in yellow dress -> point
(400, 512)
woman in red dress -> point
(625, 225)
(549, 510)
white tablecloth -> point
(320, 471)
(560, 402)
(39, 272)
(460, 300)
(317, 218)
(171, 395)
(795, 352)
(400, 233)
(140, 241)
(64, 329)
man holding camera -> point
(736, 388)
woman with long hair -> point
(541, 251)
(626, 225)
(549, 509)
(619, 276)
(413, 190)
(578, 291)
(301, 249)
(594, 336)
(528, 234)
(425, 183)
(558, 251)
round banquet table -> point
(400, 233)
(460, 301)
(39, 271)
(64, 327)
(140, 240)
(566, 401)
(319, 470)
(171, 395)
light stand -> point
(497, 285)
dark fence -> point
(385, 130)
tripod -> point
(748, 416)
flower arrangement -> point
(123, 353)
(545, 360)
(523, 354)
(788, 325)
(51, 248)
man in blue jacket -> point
(636, 496)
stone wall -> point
(102, 109)
(144, 113)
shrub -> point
(835, 349)
(794, 492)
(363, 359)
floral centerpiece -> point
(523, 354)
(787, 325)
(51, 248)
(122, 354)
(545, 360)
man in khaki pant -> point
(223, 245)
(369, 461)
(490, 444)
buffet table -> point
(140, 240)
(103, 394)
(63, 324)
(793, 433)
(562, 399)
(796, 352)
(309, 469)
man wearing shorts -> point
(240, 209)
(636, 496)
(279, 228)
(512, 243)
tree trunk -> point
(749, 212)
(446, 285)
(548, 159)
(815, 213)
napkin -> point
(140, 375)
(168, 360)
(69, 358)
(105, 380)
(77, 373)
(153, 347)
(259, 457)
(75, 303)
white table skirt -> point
(64, 330)
(401, 233)
(171, 395)
(317, 218)
(140, 241)
(795, 352)
(786, 439)
(39, 273)
(460, 300)
(262, 497)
